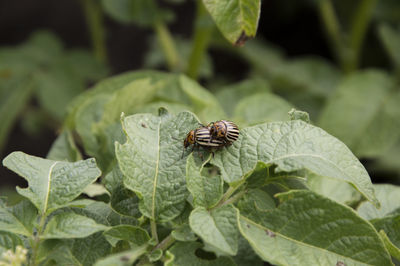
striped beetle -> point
(226, 131)
(201, 137)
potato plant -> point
(118, 187)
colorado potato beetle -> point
(226, 131)
(201, 137)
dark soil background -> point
(293, 27)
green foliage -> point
(40, 68)
(370, 105)
(48, 179)
(150, 165)
(316, 241)
(287, 192)
(237, 20)
(141, 12)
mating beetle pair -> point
(214, 135)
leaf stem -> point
(153, 226)
(203, 29)
(167, 45)
(234, 198)
(227, 196)
(166, 243)
(94, 21)
(358, 30)
(163, 245)
(36, 239)
(333, 31)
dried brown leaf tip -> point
(242, 39)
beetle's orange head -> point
(189, 139)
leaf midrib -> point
(295, 240)
(153, 203)
(46, 200)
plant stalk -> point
(333, 31)
(167, 45)
(358, 30)
(202, 32)
(163, 245)
(227, 196)
(166, 243)
(234, 198)
(37, 240)
(95, 24)
(153, 226)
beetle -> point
(226, 131)
(201, 137)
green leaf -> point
(308, 229)
(133, 234)
(54, 251)
(390, 39)
(71, 225)
(124, 258)
(141, 12)
(389, 197)
(9, 241)
(151, 162)
(389, 160)
(254, 201)
(259, 108)
(134, 94)
(80, 251)
(391, 226)
(206, 106)
(333, 189)
(184, 253)
(246, 255)
(237, 20)
(217, 228)
(311, 74)
(155, 255)
(64, 148)
(183, 233)
(18, 219)
(206, 190)
(14, 95)
(123, 200)
(55, 88)
(229, 96)
(49, 179)
(363, 113)
(393, 250)
(293, 146)
(101, 213)
(95, 189)
(83, 64)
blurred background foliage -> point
(337, 60)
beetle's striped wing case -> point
(232, 131)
